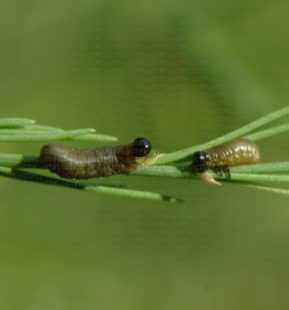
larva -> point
(75, 164)
(239, 151)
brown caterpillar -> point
(239, 151)
(75, 164)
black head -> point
(199, 161)
(141, 147)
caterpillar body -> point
(79, 164)
(239, 151)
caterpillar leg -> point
(220, 170)
(228, 170)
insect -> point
(75, 164)
(239, 151)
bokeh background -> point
(179, 73)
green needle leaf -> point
(87, 186)
(132, 193)
(268, 132)
(36, 137)
(95, 137)
(14, 121)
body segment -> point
(75, 164)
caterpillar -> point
(80, 164)
(239, 151)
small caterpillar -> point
(239, 151)
(75, 164)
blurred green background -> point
(179, 73)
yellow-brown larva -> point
(239, 151)
(75, 164)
